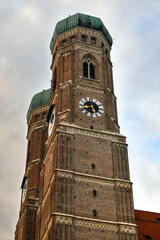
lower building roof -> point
(148, 225)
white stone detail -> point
(123, 184)
(65, 175)
(64, 85)
(98, 224)
(87, 48)
(128, 229)
(36, 160)
(64, 220)
(92, 179)
(93, 133)
(67, 34)
(90, 89)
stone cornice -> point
(88, 48)
(92, 89)
(93, 179)
(74, 129)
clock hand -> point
(93, 109)
(85, 106)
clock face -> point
(51, 122)
(91, 107)
(24, 190)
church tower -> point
(77, 184)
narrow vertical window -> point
(93, 40)
(54, 79)
(85, 69)
(93, 166)
(94, 213)
(28, 157)
(64, 43)
(92, 71)
(37, 118)
(88, 69)
(73, 39)
(94, 192)
(84, 38)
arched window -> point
(88, 69)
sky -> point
(26, 28)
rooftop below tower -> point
(82, 20)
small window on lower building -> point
(93, 40)
(84, 38)
(147, 237)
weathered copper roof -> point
(39, 100)
(82, 20)
(148, 225)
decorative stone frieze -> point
(73, 129)
(128, 229)
(64, 220)
(92, 179)
(95, 224)
(67, 34)
(90, 89)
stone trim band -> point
(91, 223)
(82, 177)
(73, 129)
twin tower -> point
(76, 184)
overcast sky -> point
(26, 28)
